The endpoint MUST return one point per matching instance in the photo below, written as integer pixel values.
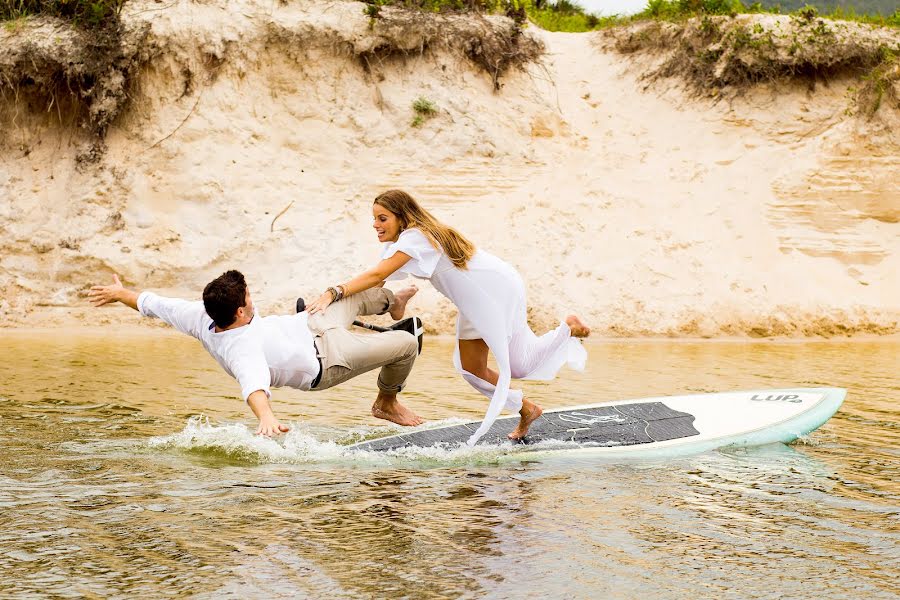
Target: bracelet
(337, 292)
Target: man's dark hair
(223, 296)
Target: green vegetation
(568, 15)
(450, 5)
(880, 85)
(83, 77)
(703, 43)
(424, 109)
(675, 10)
(565, 15)
(720, 56)
(562, 15)
(511, 8)
(495, 46)
(87, 13)
(884, 8)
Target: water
(127, 467)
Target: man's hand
(270, 427)
(107, 294)
(268, 424)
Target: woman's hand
(320, 303)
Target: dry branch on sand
(721, 55)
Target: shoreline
(151, 330)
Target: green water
(106, 489)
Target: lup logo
(777, 398)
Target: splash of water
(237, 442)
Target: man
(300, 351)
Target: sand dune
(648, 211)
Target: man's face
(245, 313)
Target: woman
(490, 296)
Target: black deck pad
(623, 425)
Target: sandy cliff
(646, 209)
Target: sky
(613, 7)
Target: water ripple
(107, 491)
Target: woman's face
(386, 224)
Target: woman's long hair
(411, 214)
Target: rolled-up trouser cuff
(396, 389)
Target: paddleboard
(668, 425)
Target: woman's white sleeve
(414, 244)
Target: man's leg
(374, 301)
(346, 355)
(341, 314)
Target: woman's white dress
(490, 296)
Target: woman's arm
(368, 279)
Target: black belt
(318, 378)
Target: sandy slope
(648, 213)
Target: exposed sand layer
(646, 210)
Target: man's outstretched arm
(107, 294)
(180, 314)
(184, 315)
(268, 424)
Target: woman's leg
(540, 357)
(473, 364)
(473, 356)
(401, 297)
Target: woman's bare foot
(401, 297)
(387, 407)
(577, 326)
(528, 415)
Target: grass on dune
(87, 13)
(569, 16)
(562, 15)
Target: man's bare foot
(577, 326)
(528, 415)
(401, 297)
(387, 407)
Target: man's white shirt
(268, 352)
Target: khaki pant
(345, 354)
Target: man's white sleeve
(184, 315)
(251, 371)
